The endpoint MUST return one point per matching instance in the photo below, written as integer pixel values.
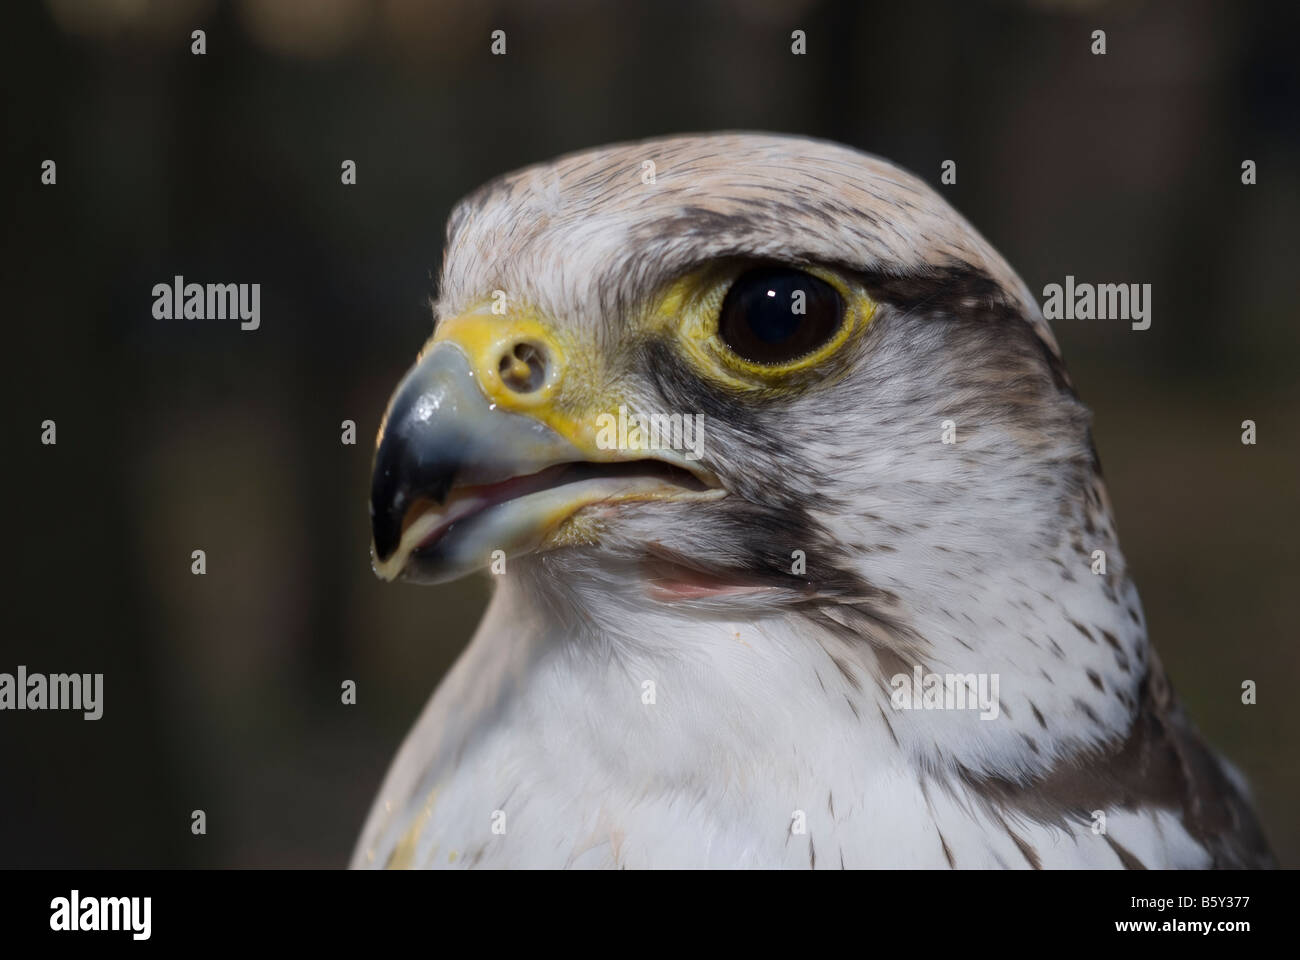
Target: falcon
(701, 660)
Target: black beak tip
(419, 457)
(402, 477)
(387, 509)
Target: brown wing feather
(1164, 764)
(1215, 809)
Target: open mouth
(517, 514)
(466, 472)
(467, 502)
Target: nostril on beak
(523, 367)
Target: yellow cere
(487, 338)
(693, 303)
(575, 391)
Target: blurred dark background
(222, 692)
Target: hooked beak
(477, 454)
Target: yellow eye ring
(694, 304)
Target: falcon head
(819, 315)
(891, 452)
(765, 418)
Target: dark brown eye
(774, 315)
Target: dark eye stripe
(774, 315)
